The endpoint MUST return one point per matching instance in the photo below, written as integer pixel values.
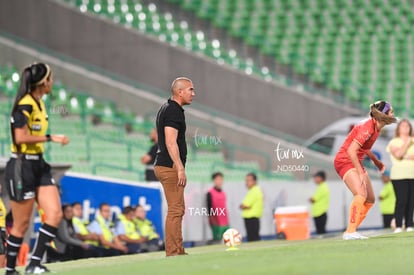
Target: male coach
(169, 166)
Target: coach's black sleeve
(174, 118)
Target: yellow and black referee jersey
(32, 113)
(3, 213)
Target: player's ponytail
(380, 110)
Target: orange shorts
(343, 167)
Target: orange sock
(355, 211)
(364, 212)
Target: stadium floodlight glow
(175, 36)
(9, 84)
(187, 36)
(184, 25)
(111, 8)
(156, 26)
(74, 102)
(62, 94)
(168, 16)
(142, 16)
(216, 53)
(116, 19)
(107, 111)
(15, 77)
(188, 46)
(83, 8)
(232, 53)
(215, 43)
(202, 45)
(142, 26)
(200, 35)
(138, 7)
(139, 119)
(152, 7)
(97, 7)
(265, 70)
(170, 26)
(129, 17)
(162, 37)
(90, 102)
(124, 8)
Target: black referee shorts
(3, 238)
(23, 175)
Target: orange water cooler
(292, 223)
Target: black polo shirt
(171, 114)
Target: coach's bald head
(182, 90)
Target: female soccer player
(348, 164)
(28, 176)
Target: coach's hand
(182, 178)
(62, 139)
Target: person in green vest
(126, 231)
(387, 200)
(320, 202)
(103, 227)
(145, 227)
(81, 230)
(252, 208)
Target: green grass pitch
(386, 254)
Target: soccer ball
(232, 237)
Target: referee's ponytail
(32, 76)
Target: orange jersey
(365, 134)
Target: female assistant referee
(348, 164)
(28, 176)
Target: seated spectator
(127, 232)
(67, 245)
(83, 233)
(146, 229)
(102, 226)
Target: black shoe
(36, 269)
(12, 272)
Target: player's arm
(145, 159)
(88, 237)
(243, 206)
(22, 135)
(21, 130)
(171, 135)
(104, 242)
(65, 236)
(247, 203)
(124, 238)
(119, 246)
(376, 161)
